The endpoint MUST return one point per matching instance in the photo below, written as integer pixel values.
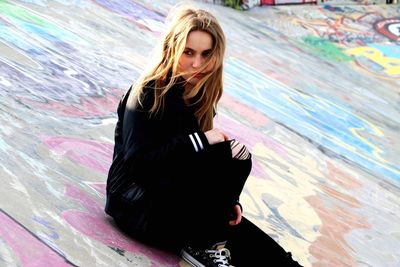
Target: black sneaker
(213, 257)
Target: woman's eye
(188, 52)
(206, 54)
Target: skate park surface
(312, 90)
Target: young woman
(175, 180)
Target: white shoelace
(221, 256)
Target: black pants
(250, 246)
(196, 211)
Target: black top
(152, 151)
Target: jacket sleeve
(148, 155)
(118, 141)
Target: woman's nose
(197, 61)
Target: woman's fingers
(238, 215)
(215, 136)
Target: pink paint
(258, 170)
(87, 107)
(255, 117)
(95, 224)
(98, 187)
(92, 154)
(98, 228)
(88, 203)
(30, 251)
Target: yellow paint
(376, 75)
(290, 192)
(391, 65)
(375, 150)
(295, 103)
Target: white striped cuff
(196, 142)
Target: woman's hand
(215, 136)
(238, 215)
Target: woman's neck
(188, 87)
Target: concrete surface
(312, 90)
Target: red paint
(267, 2)
(383, 27)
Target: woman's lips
(200, 75)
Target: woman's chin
(193, 81)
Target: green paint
(20, 13)
(325, 49)
(233, 3)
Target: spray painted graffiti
(343, 28)
(337, 129)
(332, 31)
(92, 154)
(311, 91)
(382, 58)
(389, 28)
(38, 252)
(325, 49)
(93, 223)
(327, 218)
(143, 17)
(56, 76)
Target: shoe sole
(189, 259)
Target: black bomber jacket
(149, 149)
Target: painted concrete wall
(312, 91)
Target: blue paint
(50, 32)
(13, 39)
(131, 10)
(326, 123)
(333, 8)
(392, 51)
(44, 3)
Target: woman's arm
(150, 152)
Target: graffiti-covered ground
(313, 91)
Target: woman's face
(197, 49)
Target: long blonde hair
(207, 92)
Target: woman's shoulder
(140, 97)
(150, 85)
(147, 92)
